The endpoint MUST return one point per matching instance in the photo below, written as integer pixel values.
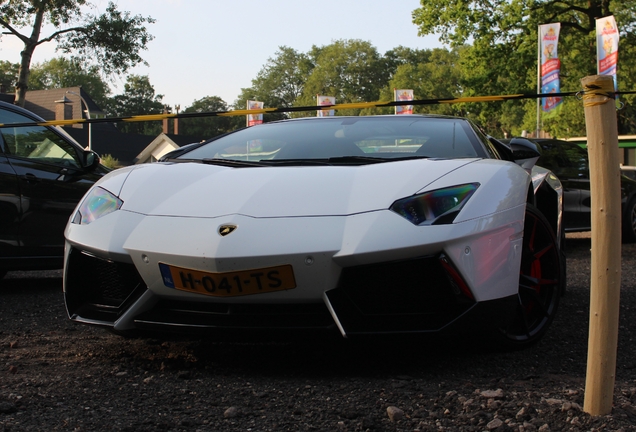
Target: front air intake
(100, 289)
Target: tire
(541, 283)
(629, 221)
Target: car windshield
(361, 139)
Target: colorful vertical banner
(550, 68)
(325, 100)
(403, 95)
(254, 119)
(607, 47)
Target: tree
(61, 72)
(431, 74)
(138, 99)
(8, 74)
(279, 83)
(503, 57)
(283, 77)
(404, 55)
(206, 127)
(111, 40)
(351, 70)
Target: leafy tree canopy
(279, 83)
(435, 75)
(206, 127)
(138, 98)
(8, 74)
(112, 40)
(351, 70)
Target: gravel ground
(57, 375)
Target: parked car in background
(357, 226)
(43, 175)
(569, 161)
(629, 171)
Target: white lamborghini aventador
(358, 225)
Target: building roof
(43, 102)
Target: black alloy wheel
(541, 283)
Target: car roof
(20, 110)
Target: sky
(216, 47)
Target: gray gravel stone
(187, 384)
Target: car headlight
(434, 207)
(97, 203)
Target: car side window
(577, 157)
(36, 143)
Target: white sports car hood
(199, 190)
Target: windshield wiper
(296, 162)
(233, 163)
(362, 160)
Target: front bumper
(352, 274)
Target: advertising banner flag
(550, 67)
(254, 119)
(403, 95)
(607, 47)
(325, 100)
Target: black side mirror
(502, 147)
(525, 153)
(90, 160)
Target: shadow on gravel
(563, 351)
(27, 283)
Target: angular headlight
(435, 207)
(99, 202)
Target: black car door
(51, 182)
(575, 176)
(9, 208)
(570, 164)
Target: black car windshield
(345, 139)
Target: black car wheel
(541, 283)
(629, 222)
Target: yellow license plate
(229, 284)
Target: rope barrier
(343, 106)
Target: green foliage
(282, 79)
(113, 40)
(138, 99)
(278, 84)
(110, 162)
(434, 74)
(8, 74)
(206, 127)
(20, 13)
(350, 70)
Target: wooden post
(605, 283)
